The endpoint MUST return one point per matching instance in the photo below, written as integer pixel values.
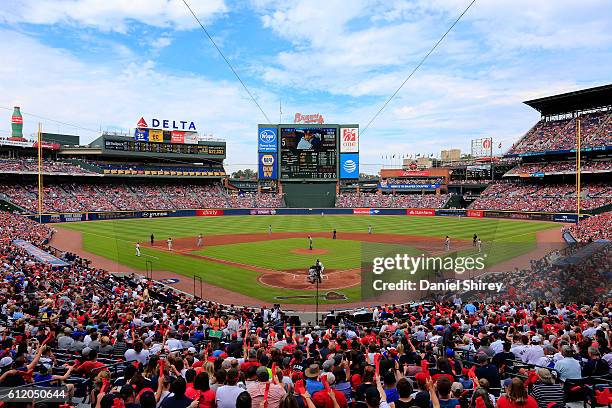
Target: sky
(102, 64)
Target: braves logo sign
(315, 118)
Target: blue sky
(103, 64)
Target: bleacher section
(347, 199)
(561, 167)
(551, 197)
(545, 340)
(89, 196)
(555, 135)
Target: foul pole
(578, 168)
(40, 175)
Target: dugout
(309, 194)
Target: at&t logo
(350, 166)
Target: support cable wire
(72, 125)
(417, 67)
(227, 62)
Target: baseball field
(264, 259)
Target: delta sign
(167, 124)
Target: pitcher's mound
(306, 251)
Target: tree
(245, 174)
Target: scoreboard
(135, 146)
(308, 152)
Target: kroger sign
(267, 140)
(167, 124)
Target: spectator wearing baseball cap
(545, 391)
(421, 394)
(535, 351)
(488, 371)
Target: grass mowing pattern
(115, 240)
(342, 254)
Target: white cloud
(357, 50)
(55, 84)
(161, 42)
(343, 60)
(110, 15)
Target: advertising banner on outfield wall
(113, 215)
(423, 212)
(475, 213)
(361, 211)
(267, 140)
(565, 218)
(516, 215)
(156, 214)
(408, 186)
(263, 211)
(268, 166)
(349, 140)
(209, 213)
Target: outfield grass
(115, 240)
(342, 254)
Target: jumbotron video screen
(309, 153)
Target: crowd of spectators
(550, 278)
(55, 167)
(132, 342)
(151, 169)
(469, 181)
(553, 197)
(255, 200)
(546, 135)
(30, 165)
(387, 181)
(354, 199)
(67, 197)
(562, 167)
(593, 228)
